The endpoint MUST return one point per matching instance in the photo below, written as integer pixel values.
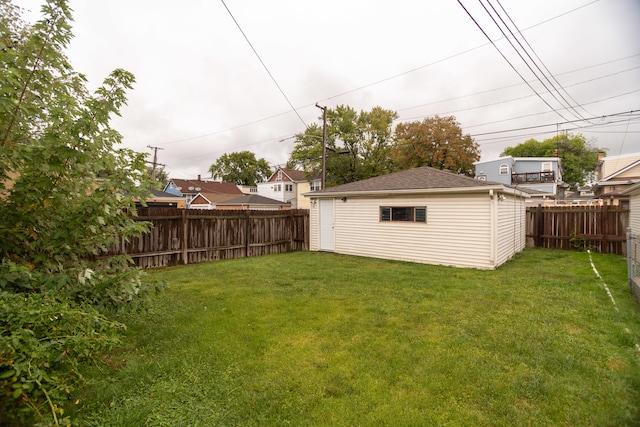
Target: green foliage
(358, 145)
(67, 192)
(44, 337)
(241, 168)
(579, 158)
(437, 142)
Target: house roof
(423, 178)
(194, 186)
(253, 199)
(158, 194)
(294, 175)
(621, 171)
(209, 198)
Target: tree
(579, 158)
(161, 175)
(241, 168)
(66, 191)
(437, 142)
(358, 145)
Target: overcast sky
(202, 91)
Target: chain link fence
(633, 262)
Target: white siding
(457, 232)
(511, 227)
(314, 226)
(634, 214)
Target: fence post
(247, 232)
(185, 235)
(604, 226)
(630, 257)
(292, 230)
(539, 226)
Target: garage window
(403, 214)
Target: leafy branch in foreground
(67, 192)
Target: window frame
(418, 214)
(506, 169)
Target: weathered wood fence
(598, 228)
(182, 236)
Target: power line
(507, 100)
(540, 60)
(263, 64)
(394, 77)
(632, 112)
(506, 59)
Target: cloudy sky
(214, 77)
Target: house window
(504, 169)
(277, 187)
(546, 167)
(403, 214)
(288, 187)
(279, 175)
(315, 186)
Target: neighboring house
(543, 174)
(253, 202)
(289, 185)
(248, 189)
(161, 199)
(190, 188)
(421, 215)
(210, 200)
(614, 175)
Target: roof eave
(454, 190)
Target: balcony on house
(533, 177)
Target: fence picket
(599, 228)
(180, 236)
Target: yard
(321, 339)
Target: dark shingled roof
(424, 178)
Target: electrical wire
(507, 60)
(530, 60)
(521, 34)
(394, 77)
(263, 64)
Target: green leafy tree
(241, 168)
(579, 158)
(66, 192)
(358, 145)
(161, 176)
(437, 142)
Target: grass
(310, 339)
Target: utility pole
(324, 145)
(155, 161)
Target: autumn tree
(241, 168)
(579, 158)
(437, 142)
(358, 145)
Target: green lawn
(322, 339)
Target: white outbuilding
(421, 215)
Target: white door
(327, 236)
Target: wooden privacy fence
(182, 236)
(598, 228)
